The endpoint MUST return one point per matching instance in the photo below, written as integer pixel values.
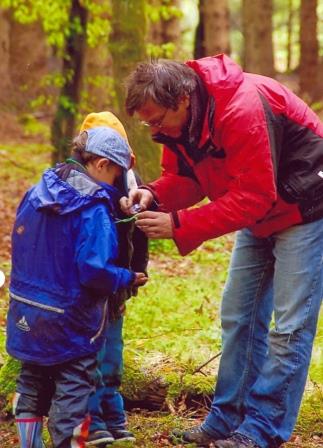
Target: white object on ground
(2, 279)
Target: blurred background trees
(63, 59)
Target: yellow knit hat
(108, 119)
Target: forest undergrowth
(172, 328)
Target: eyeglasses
(156, 124)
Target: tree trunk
(257, 31)
(29, 55)
(166, 29)
(97, 91)
(63, 127)
(212, 33)
(289, 35)
(309, 49)
(127, 46)
(97, 81)
(5, 81)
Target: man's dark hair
(164, 82)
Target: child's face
(103, 170)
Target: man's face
(164, 120)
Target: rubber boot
(30, 431)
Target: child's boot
(30, 431)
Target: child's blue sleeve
(96, 253)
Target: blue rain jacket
(64, 245)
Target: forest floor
(151, 428)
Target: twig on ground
(206, 363)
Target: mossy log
(156, 383)
(153, 383)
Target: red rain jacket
(259, 160)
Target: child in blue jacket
(106, 407)
(64, 248)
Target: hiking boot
(122, 435)
(237, 440)
(100, 439)
(193, 435)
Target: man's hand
(140, 279)
(155, 224)
(136, 196)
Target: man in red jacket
(256, 151)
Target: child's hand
(139, 196)
(140, 279)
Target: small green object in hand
(131, 218)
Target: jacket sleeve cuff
(182, 236)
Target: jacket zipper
(102, 326)
(37, 304)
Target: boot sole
(124, 439)
(107, 440)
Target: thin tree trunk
(5, 81)
(166, 29)
(309, 49)
(212, 33)
(127, 46)
(289, 34)
(63, 127)
(97, 79)
(28, 62)
(257, 31)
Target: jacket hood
(219, 73)
(77, 192)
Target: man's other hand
(155, 224)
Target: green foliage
(54, 16)
(89, 97)
(164, 11)
(177, 311)
(22, 164)
(189, 384)
(162, 246)
(316, 366)
(144, 375)
(317, 106)
(41, 101)
(49, 83)
(166, 50)
(99, 26)
(280, 35)
(34, 127)
(311, 414)
(67, 104)
(98, 31)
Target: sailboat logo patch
(22, 324)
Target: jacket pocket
(103, 323)
(304, 186)
(37, 304)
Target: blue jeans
(264, 366)
(106, 404)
